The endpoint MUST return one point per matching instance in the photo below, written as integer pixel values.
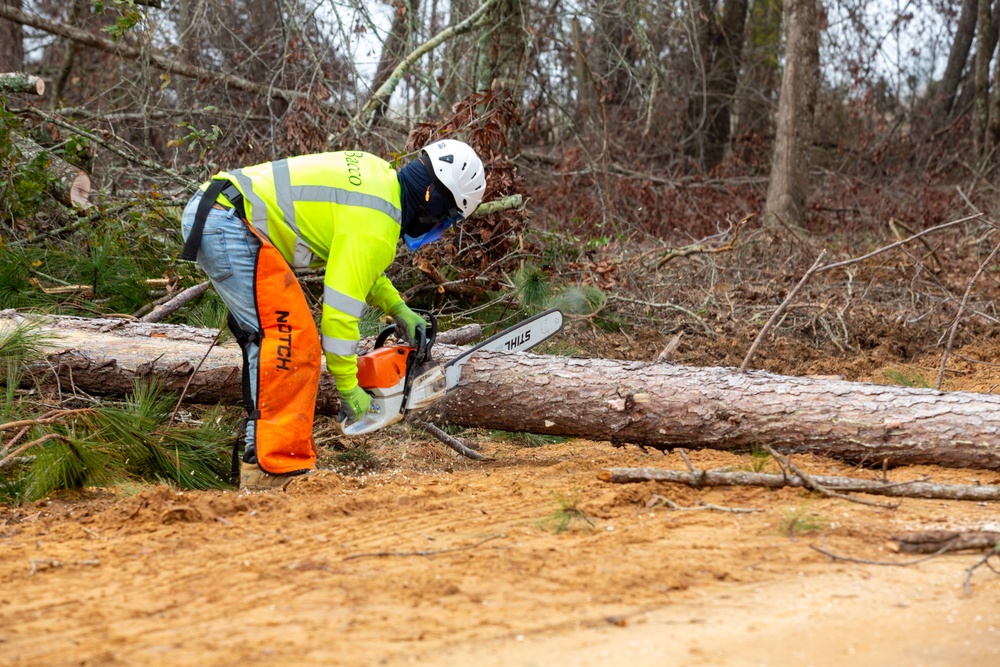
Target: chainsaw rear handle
(423, 346)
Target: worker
(250, 228)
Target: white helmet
(457, 167)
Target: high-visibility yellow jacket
(339, 210)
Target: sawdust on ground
(526, 559)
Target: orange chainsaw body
(383, 368)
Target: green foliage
(579, 300)
(22, 186)
(800, 521)
(906, 379)
(119, 443)
(527, 439)
(568, 516)
(21, 343)
(210, 312)
(534, 287)
(204, 140)
(759, 459)
(128, 17)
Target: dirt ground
(419, 557)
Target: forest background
(680, 166)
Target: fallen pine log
(702, 478)
(656, 405)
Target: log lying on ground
(657, 405)
(941, 541)
(19, 82)
(702, 478)
(69, 184)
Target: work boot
(252, 478)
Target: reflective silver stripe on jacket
(343, 302)
(326, 193)
(339, 346)
(287, 194)
(303, 255)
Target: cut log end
(79, 191)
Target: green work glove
(407, 323)
(354, 403)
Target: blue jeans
(228, 254)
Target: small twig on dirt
(670, 306)
(879, 251)
(780, 311)
(187, 384)
(865, 561)
(816, 486)
(163, 310)
(456, 444)
(698, 248)
(687, 461)
(958, 316)
(660, 501)
(931, 252)
(431, 552)
(967, 586)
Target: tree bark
(69, 184)
(19, 82)
(789, 185)
(656, 405)
(958, 55)
(984, 53)
(11, 41)
(397, 44)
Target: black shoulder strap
(190, 252)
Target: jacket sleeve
(355, 265)
(383, 294)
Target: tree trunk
(957, 57)
(656, 405)
(984, 53)
(789, 185)
(397, 44)
(69, 184)
(11, 41)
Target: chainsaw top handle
(424, 340)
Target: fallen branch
(19, 82)
(985, 560)
(780, 311)
(430, 552)
(816, 486)
(122, 49)
(704, 478)
(699, 248)
(452, 442)
(164, 310)
(932, 541)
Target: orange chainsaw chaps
(289, 369)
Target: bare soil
(412, 555)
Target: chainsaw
(403, 379)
